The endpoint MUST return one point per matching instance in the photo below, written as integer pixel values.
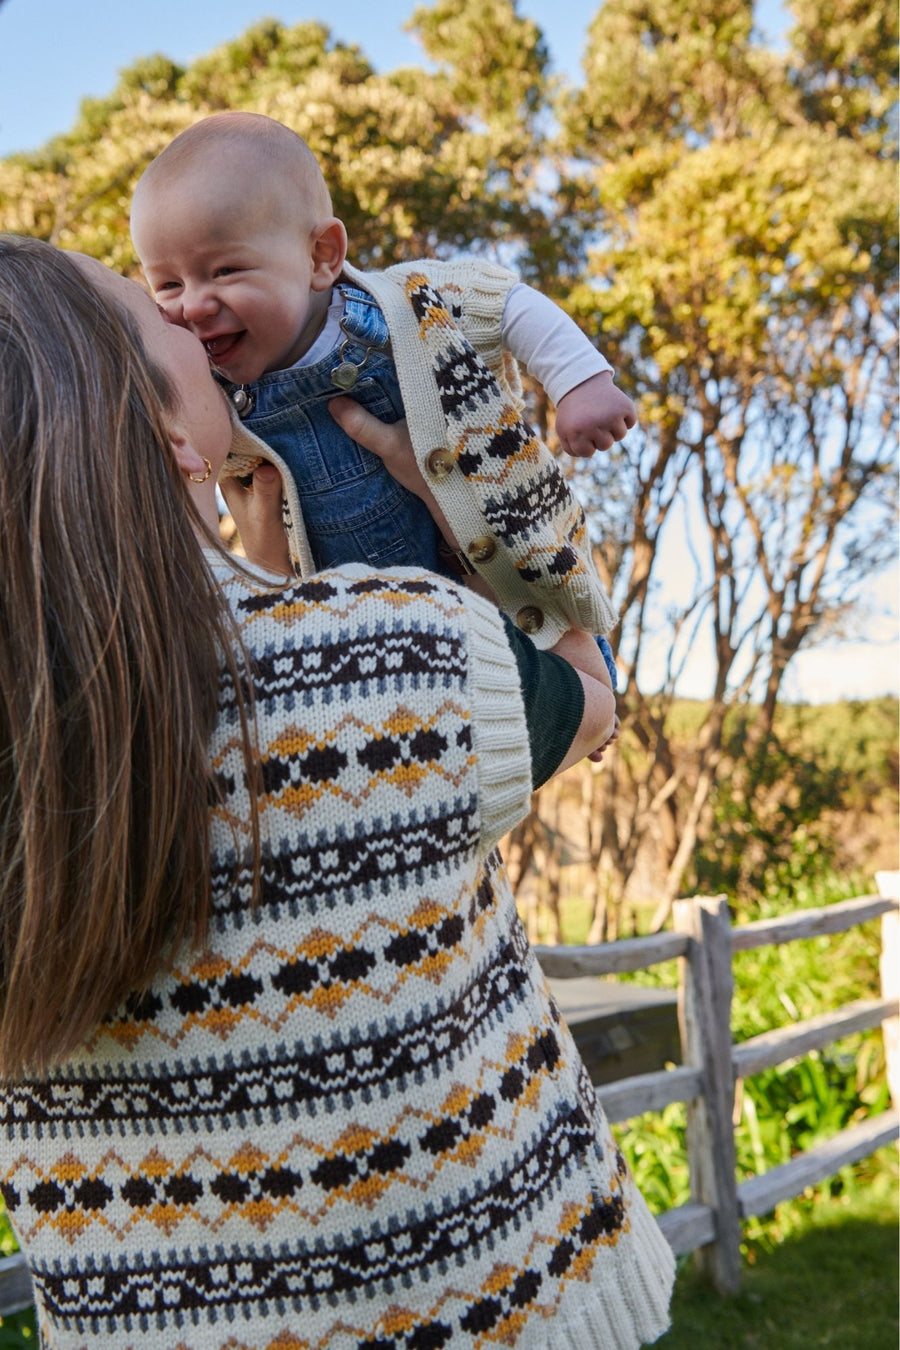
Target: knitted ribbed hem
(626, 1304)
(486, 288)
(499, 730)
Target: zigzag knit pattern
(462, 391)
(495, 448)
(353, 1120)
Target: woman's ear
(328, 249)
(187, 458)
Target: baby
(235, 230)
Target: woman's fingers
(255, 504)
(381, 438)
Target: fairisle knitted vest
(353, 1120)
(497, 483)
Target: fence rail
(705, 942)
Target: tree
(417, 162)
(720, 217)
(744, 264)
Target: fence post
(889, 886)
(704, 1012)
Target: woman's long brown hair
(111, 648)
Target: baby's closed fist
(593, 416)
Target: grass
(831, 1282)
(18, 1332)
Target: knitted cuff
(499, 730)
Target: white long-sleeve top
(540, 335)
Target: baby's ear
(329, 249)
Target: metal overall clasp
(346, 372)
(243, 400)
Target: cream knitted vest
(353, 1120)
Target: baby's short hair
(270, 144)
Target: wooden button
(481, 550)
(530, 619)
(439, 463)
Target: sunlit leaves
(418, 161)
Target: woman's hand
(255, 505)
(599, 723)
(596, 756)
(390, 441)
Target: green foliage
(18, 1331)
(846, 64)
(743, 258)
(660, 69)
(793, 1106)
(774, 828)
(8, 1243)
(496, 60)
(796, 1105)
(417, 162)
(724, 214)
(654, 1144)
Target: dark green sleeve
(554, 703)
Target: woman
(279, 1068)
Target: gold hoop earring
(202, 479)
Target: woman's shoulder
(424, 660)
(352, 593)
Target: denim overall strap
(363, 330)
(353, 511)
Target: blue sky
(53, 53)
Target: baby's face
(235, 272)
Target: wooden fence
(705, 942)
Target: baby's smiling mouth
(217, 347)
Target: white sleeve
(549, 344)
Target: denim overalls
(353, 509)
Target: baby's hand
(597, 755)
(593, 415)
